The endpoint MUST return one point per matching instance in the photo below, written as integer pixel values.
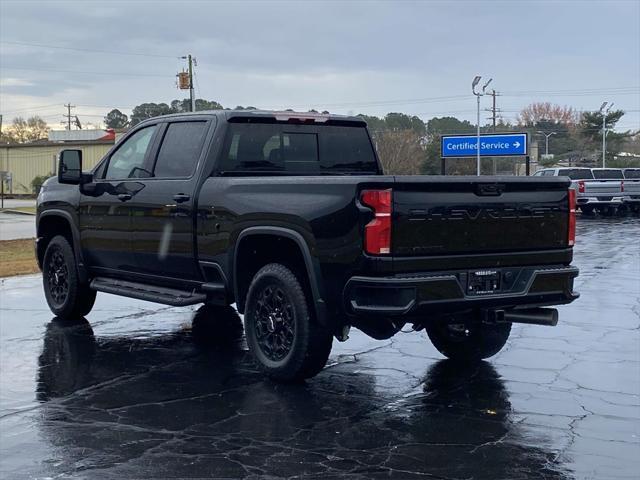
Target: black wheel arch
(313, 274)
(54, 222)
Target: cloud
(14, 82)
(319, 53)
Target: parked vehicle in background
(290, 217)
(609, 187)
(631, 198)
(597, 189)
(594, 190)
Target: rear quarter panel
(323, 210)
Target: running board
(151, 293)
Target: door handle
(181, 197)
(123, 197)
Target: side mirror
(70, 167)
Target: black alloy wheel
(67, 296)
(275, 323)
(58, 276)
(282, 332)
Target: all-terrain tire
(468, 342)
(66, 295)
(283, 335)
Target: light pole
(604, 131)
(546, 140)
(475, 82)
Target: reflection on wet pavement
(140, 390)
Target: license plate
(483, 282)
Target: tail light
(622, 186)
(572, 218)
(377, 233)
(581, 186)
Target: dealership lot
(149, 391)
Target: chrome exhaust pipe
(531, 316)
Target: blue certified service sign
(493, 145)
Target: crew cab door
(105, 204)
(162, 213)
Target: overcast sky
(346, 57)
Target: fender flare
(312, 265)
(75, 236)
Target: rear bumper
(631, 199)
(448, 292)
(599, 200)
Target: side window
(538, 173)
(128, 160)
(180, 149)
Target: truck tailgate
(631, 187)
(602, 187)
(458, 215)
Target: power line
(118, 74)
(587, 90)
(106, 106)
(110, 52)
(33, 109)
(576, 93)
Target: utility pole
(494, 111)
(604, 132)
(185, 81)
(68, 116)
(191, 96)
(494, 115)
(475, 82)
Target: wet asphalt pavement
(145, 391)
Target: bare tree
(18, 131)
(541, 111)
(22, 131)
(401, 152)
(38, 128)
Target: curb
(17, 212)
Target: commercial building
(26, 161)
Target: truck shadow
(191, 403)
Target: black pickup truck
(290, 217)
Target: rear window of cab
(575, 173)
(608, 173)
(288, 149)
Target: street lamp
(546, 139)
(604, 131)
(475, 82)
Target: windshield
(609, 173)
